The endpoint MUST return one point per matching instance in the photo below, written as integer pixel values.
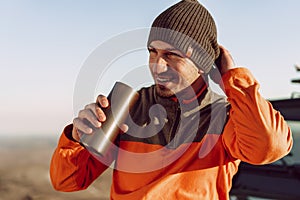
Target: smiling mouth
(165, 80)
(165, 77)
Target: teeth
(163, 79)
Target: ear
(189, 52)
(200, 71)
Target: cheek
(151, 69)
(151, 63)
(151, 59)
(189, 74)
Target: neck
(191, 93)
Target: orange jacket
(197, 168)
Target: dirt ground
(24, 172)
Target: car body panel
(278, 180)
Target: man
(190, 146)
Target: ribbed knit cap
(185, 25)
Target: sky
(46, 45)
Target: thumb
(215, 75)
(124, 128)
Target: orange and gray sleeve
(255, 132)
(72, 167)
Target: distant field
(24, 172)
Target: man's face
(171, 70)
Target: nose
(160, 65)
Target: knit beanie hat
(185, 25)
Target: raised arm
(255, 132)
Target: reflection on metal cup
(121, 99)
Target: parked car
(278, 180)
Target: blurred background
(44, 44)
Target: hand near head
(224, 63)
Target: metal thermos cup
(121, 99)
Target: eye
(151, 50)
(171, 54)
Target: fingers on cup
(89, 116)
(102, 101)
(81, 126)
(98, 113)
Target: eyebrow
(172, 49)
(167, 49)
